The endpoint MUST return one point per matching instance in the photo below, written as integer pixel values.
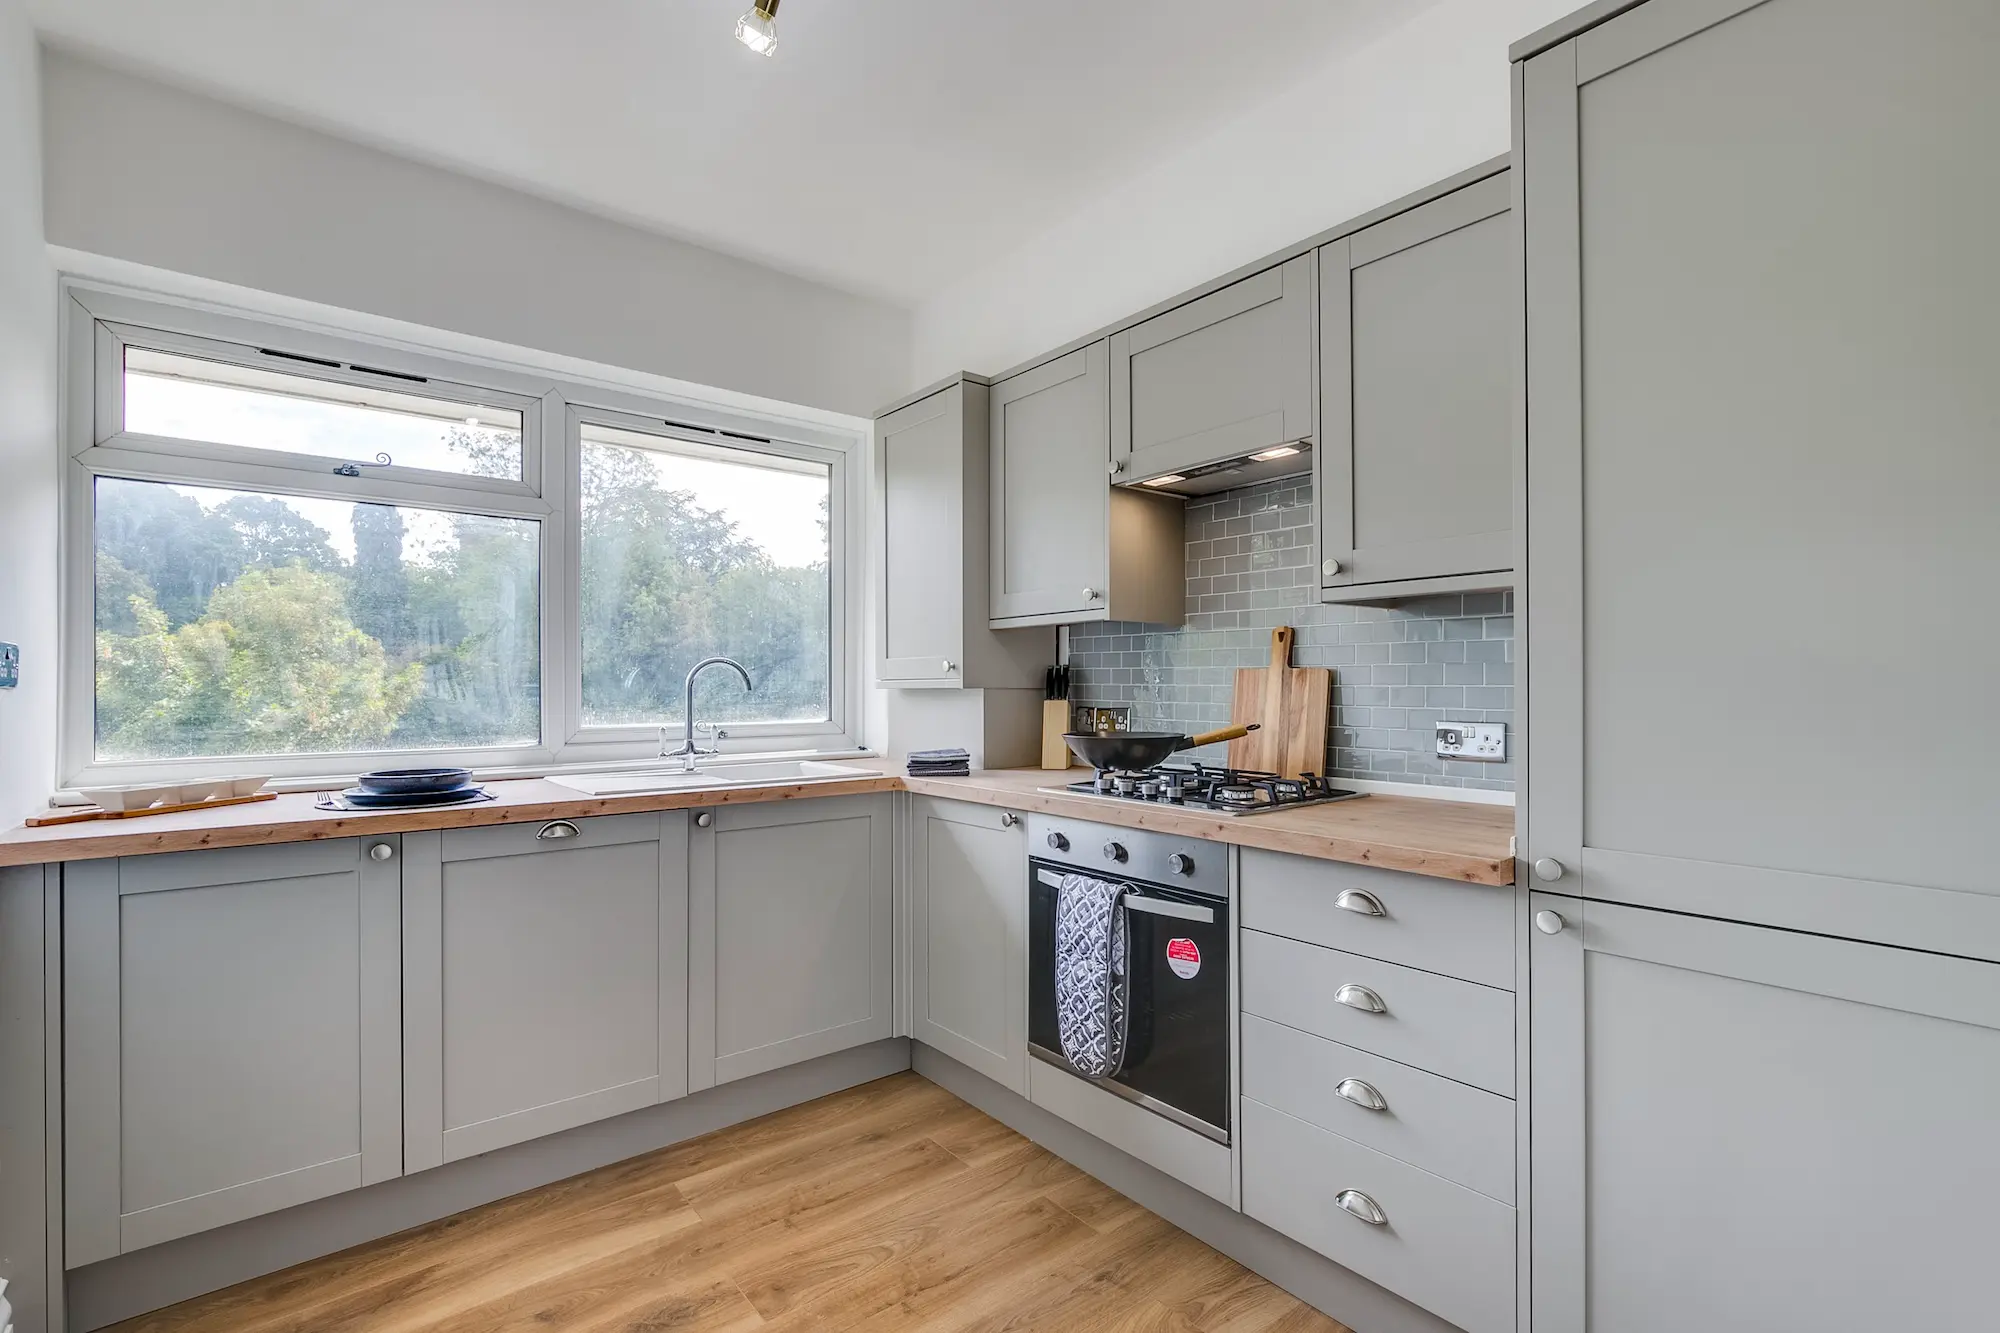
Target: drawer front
(1446, 1128)
(1440, 1246)
(553, 835)
(1439, 925)
(1435, 1023)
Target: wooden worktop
(1449, 839)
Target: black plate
(398, 781)
(394, 800)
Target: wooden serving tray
(85, 814)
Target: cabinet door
(1051, 442)
(1219, 377)
(1741, 1129)
(1761, 402)
(1419, 321)
(790, 950)
(969, 909)
(545, 979)
(230, 1037)
(921, 460)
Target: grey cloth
(1093, 992)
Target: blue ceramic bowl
(414, 781)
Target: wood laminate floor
(890, 1207)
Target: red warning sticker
(1184, 958)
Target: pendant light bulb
(758, 29)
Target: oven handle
(1156, 906)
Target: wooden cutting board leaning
(1292, 703)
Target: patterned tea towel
(1092, 990)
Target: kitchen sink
(635, 782)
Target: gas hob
(1215, 791)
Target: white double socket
(1485, 742)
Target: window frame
(101, 323)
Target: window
(693, 550)
(309, 556)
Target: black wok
(1136, 751)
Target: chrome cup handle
(1357, 1204)
(1360, 997)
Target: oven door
(1177, 1049)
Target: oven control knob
(1181, 863)
(1115, 851)
(1058, 843)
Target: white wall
(145, 173)
(27, 434)
(1422, 102)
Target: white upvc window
(293, 553)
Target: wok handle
(1214, 737)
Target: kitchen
(1559, 963)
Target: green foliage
(237, 627)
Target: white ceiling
(887, 147)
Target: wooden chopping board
(1292, 704)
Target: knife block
(1055, 721)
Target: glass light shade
(758, 31)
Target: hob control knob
(1058, 843)
(1181, 863)
(1115, 851)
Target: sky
(778, 510)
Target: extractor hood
(1226, 474)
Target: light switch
(1485, 742)
(10, 665)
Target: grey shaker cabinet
(1419, 330)
(545, 978)
(1226, 374)
(231, 1037)
(1067, 546)
(789, 936)
(932, 552)
(1760, 290)
(1742, 1129)
(969, 936)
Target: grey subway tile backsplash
(1398, 670)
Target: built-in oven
(1175, 905)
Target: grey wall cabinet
(790, 945)
(231, 1037)
(545, 978)
(1226, 374)
(1743, 1129)
(1067, 547)
(969, 936)
(1419, 334)
(933, 468)
(1761, 348)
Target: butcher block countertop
(1448, 839)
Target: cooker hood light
(1282, 451)
(758, 29)
(1166, 479)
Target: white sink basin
(641, 781)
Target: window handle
(353, 469)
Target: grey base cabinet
(545, 979)
(1740, 1129)
(969, 936)
(231, 1037)
(790, 944)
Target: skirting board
(162, 1275)
(1321, 1283)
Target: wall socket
(1484, 742)
(10, 665)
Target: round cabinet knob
(948, 665)
(1091, 594)
(1549, 869)
(1116, 851)
(704, 819)
(1181, 863)
(1058, 843)
(381, 851)
(1117, 468)
(1008, 819)
(1329, 567)
(1549, 923)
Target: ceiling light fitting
(758, 28)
